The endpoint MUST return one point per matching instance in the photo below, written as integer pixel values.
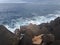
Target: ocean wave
(16, 23)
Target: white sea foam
(34, 20)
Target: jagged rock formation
(25, 34)
(52, 27)
(45, 28)
(31, 29)
(7, 37)
(56, 27)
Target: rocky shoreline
(25, 34)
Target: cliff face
(7, 37)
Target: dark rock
(32, 30)
(56, 27)
(7, 37)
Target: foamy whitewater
(14, 15)
(16, 23)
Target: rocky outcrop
(32, 30)
(52, 27)
(7, 37)
(56, 27)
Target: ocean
(14, 15)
